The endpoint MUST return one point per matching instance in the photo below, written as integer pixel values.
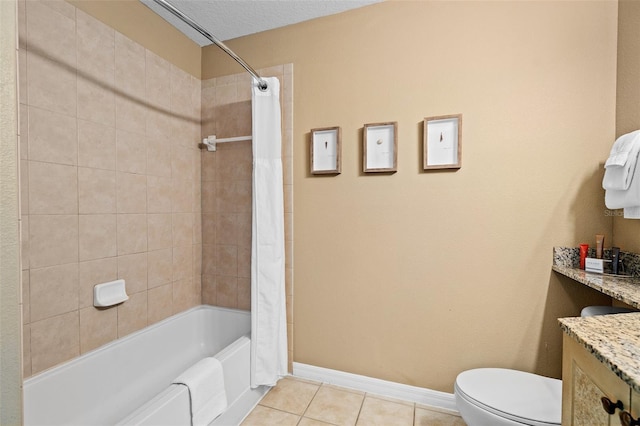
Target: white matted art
(325, 151)
(380, 147)
(442, 145)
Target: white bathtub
(128, 381)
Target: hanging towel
(621, 164)
(268, 299)
(619, 199)
(632, 212)
(205, 381)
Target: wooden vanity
(601, 370)
(601, 356)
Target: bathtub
(128, 381)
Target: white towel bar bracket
(210, 142)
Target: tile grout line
(277, 409)
(300, 416)
(365, 395)
(360, 410)
(309, 403)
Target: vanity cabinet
(635, 408)
(594, 347)
(585, 382)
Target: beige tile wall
(226, 191)
(110, 182)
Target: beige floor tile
(396, 400)
(376, 411)
(329, 386)
(265, 416)
(434, 418)
(290, 395)
(335, 405)
(305, 421)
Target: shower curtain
(268, 300)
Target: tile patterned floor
(301, 402)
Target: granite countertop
(623, 288)
(613, 339)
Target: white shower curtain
(268, 301)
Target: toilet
(503, 397)
(592, 311)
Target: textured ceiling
(227, 19)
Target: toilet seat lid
(517, 395)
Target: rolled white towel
(621, 164)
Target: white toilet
(502, 397)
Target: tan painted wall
(626, 231)
(136, 21)
(414, 277)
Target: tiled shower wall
(226, 191)
(110, 182)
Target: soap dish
(109, 294)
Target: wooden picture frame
(325, 150)
(442, 145)
(380, 147)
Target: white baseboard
(440, 400)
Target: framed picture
(442, 145)
(325, 151)
(380, 147)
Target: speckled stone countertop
(613, 339)
(625, 289)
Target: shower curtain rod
(262, 84)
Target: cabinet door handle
(627, 420)
(609, 406)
